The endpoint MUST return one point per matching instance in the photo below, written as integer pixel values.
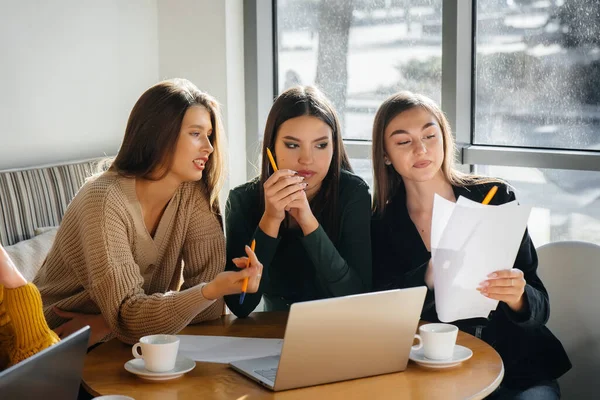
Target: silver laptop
(53, 373)
(341, 338)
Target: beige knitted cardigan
(105, 261)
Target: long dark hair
(153, 130)
(296, 102)
(386, 180)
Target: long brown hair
(386, 180)
(153, 130)
(296, 102)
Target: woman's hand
(230, 282)
(99, 327)
(300, 210)
(507, 286)
(10, 277)
(280, 189)
(283, 187)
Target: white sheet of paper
(468, 242)
(226, 349)
(442, 210)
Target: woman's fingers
(63, 313)
(254, 268)
(513, 273)
(499, 282)
(240, 262)
(64, 330)
(284, 182)
(298, 196)
(299, 200)
(276, 195)
(10, 276)
(501, 290)
(252, 255)
(248, 273)
(507, 286)
(59, 331)
(253, 272)
(510, 278)
(503, 283)
(277, 176)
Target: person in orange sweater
(23, 328)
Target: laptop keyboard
(270, 374)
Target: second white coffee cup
(159, 352)
(438, 340)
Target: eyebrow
(298, 140)
(399, 131)
(198, 127)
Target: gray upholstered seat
(38, 197)
(571, 273)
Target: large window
(360, 52)
(537, 81)
(538, 74)
(518, 79)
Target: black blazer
(529, 350)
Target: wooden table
(104, 373)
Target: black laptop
(53, 373)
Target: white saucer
(461, 354)
(182, 365)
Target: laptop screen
(53, 373)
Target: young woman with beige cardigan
(141, 248)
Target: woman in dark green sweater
(310, 218)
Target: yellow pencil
(490, 195)
(245, 284)
(271, 159)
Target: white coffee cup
(437, 340)
(159, 352)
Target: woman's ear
(386, 160)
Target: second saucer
(182, 365)
(459, 355)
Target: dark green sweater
(297, 267)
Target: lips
(422, 164)
(306, 173)
(200, 163)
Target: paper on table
(468, 242)
(225, 349)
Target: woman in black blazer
(413, 159)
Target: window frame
(458, 86)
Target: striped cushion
(36, 197)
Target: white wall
(235, 100)
(70, 72)
(203, 41)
